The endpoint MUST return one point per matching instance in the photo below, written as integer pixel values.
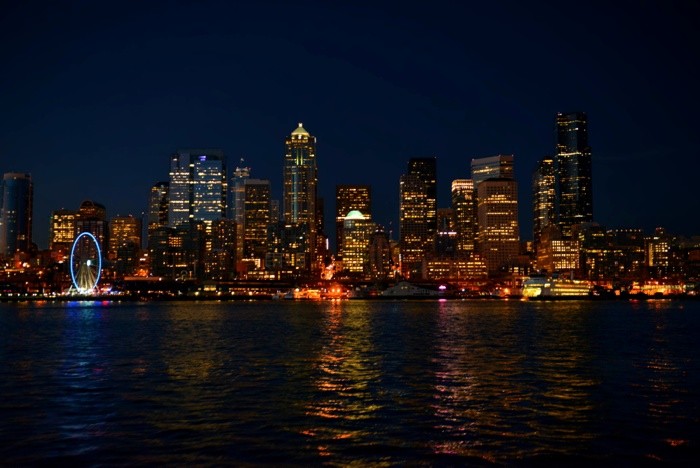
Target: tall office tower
(543, 197)
(464, 206)
(350, 198)
(357, 230)
(62, 228)
(125, 243)
(274, 211)
(426, 170)
(300, 178)
(379, 254)
(413, 224)
(16, 206)
(573, 171)
(92, 218)
(446, 236)
(198, 186)
(256, 219)
(220, 260)
(498, 238)
(124, 230)
(158, 206)
(237, 209)
(493, 167)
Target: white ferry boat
(555, 288)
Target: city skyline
(95, 104)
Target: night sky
(95, 96)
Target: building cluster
(204, 224)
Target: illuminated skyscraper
(357, 230)
(464, 206)
(350, 198)
(237, 211)
(125, 243)
(198, 186)
(62, 231)
(256, 219)
(92, 218)
(413, 227)
(573, 171)
(498, 239)
(426, 170)
(543, 197)
(300, 178)
(16, 206)
(158, 206)
(493, 167)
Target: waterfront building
(658, 253)
(300, 179)
(350, 198)
(220, 259)
(198, 186)
(158, 206)
(556, 254)
(413, 228)
(464, 207)
(497, 215)
(543, 197)
(357, 230)
(124, 230)
(492, 167)
(62, 229)
(380, 261)
(16, 208)
(288, 250)
(573, 171)
(256, 218)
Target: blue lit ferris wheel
(85, 263)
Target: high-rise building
(62, 229)
(256, 219)
(350, 198)
(543, 197)
(198, 186)
(125, 243)
(413, 225)
(300, 178)
(573, 171)
(446, 236)
(464, 206)
(158, 206)
(220, 259)
(357, 230)
(426, 170)
(380, 262)
(16, 206)
(493, 167)
(92, 218)
(124, 230)
(237, 209)
(498, 239)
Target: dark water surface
(428, 383)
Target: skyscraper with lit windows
(16, 207)
(256, 219)
(464, 206)
(350, 198)
(497, 213)
(300, 179)
(543, 197)
(413, 224)
(158, 206)
(573, 171)
(492, 167)
(426, 170)
(198, 186)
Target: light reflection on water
(447, 382)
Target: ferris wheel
(85, 263)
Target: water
(388, 383)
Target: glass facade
(573, 171)
(16, 206)
(543, 197)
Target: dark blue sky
(95, 96)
